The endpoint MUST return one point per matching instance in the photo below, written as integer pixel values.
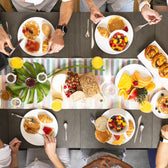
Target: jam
(30, 82)
(32, 46)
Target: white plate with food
(45, 123)
(123, 138)
(160, 104)
(153, 64)
(106, 27)
(36, 32)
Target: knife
(92, 36)
(15, 47)
(139, 122)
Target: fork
(87, 35)
(141, 26)
(26, 118)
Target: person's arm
(14, 145)
(148, 13)
(50, 147)
(162, 151)
(56, 42)
(95, 14)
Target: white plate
(103, 43)
(130, 69)
(154, 104)
(127, 115)
(40, 38)
(37, 139)
(160, 82)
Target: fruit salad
(118, 42)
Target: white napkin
(5, 156)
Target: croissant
(150, 52)
(103, 32)
(163, 70)
(158, 60)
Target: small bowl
(42, 77)
(16, 102)
(12, 77)
(113, 131)
(125, 34)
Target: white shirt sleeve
(35, 2)
(65, 0)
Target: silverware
(141, 130)
(136, 134)
(87, 35)
(92, 120)
(15, 47)
(26, 118)
(7, 27)
(92, 35)
(66, 127)
(141, 26)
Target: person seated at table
(98, 6)
(56, 42)
(162, 151)
(160, 5)
(108, 162)
(8, 153)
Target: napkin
(5, 156)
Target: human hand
(50, 146)
(95, 14)
(14, 145)
(150, 14)
(4, 41)
(56, 42)
(164, 131)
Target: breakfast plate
(148, 64)
(103, 43)
(37, 139)
(124, 113)
(154, 104)
(41, 31)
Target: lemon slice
(145, 106)
(56, 105)
(16, 62)
(97, 62)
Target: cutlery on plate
(35, 132)
(15, 47)
(141, 26)
(26, 118)
(92, 35)
(136, 134)
(92, 120)
(87, 35)
(66, 127)
(7, 29)
(141, 130)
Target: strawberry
(126, 28)
(135, 83)
(117, 137)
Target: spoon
(92, 120)
(87, 35)
(66, 127)
(26, 118)
(141, 130)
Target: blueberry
(159, 112)
(166, 101)
(155, 108)
(162, 94)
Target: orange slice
(150, 87)
(56, 105)
(16, 62)
(145, 107)
(97, 62)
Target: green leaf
(20, 83)
(21, 78)
(31, 96)
(22, 71)
(24, 94)
(15, 89)
(45, 87)
(40, 95)
(39, 68)
(29, 67)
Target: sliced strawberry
(117, 137)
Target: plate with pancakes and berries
(114, 34)
(36, 32)
(115, 127)
(156, 61)
(160, 104)
(44, 122)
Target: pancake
(31, 30)
(31, 128)
(101, 123)
(44, 118)
(130, 128)
(115, 23)
(162, 104)
(46, 28)
(103, 136)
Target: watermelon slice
(48, 130)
